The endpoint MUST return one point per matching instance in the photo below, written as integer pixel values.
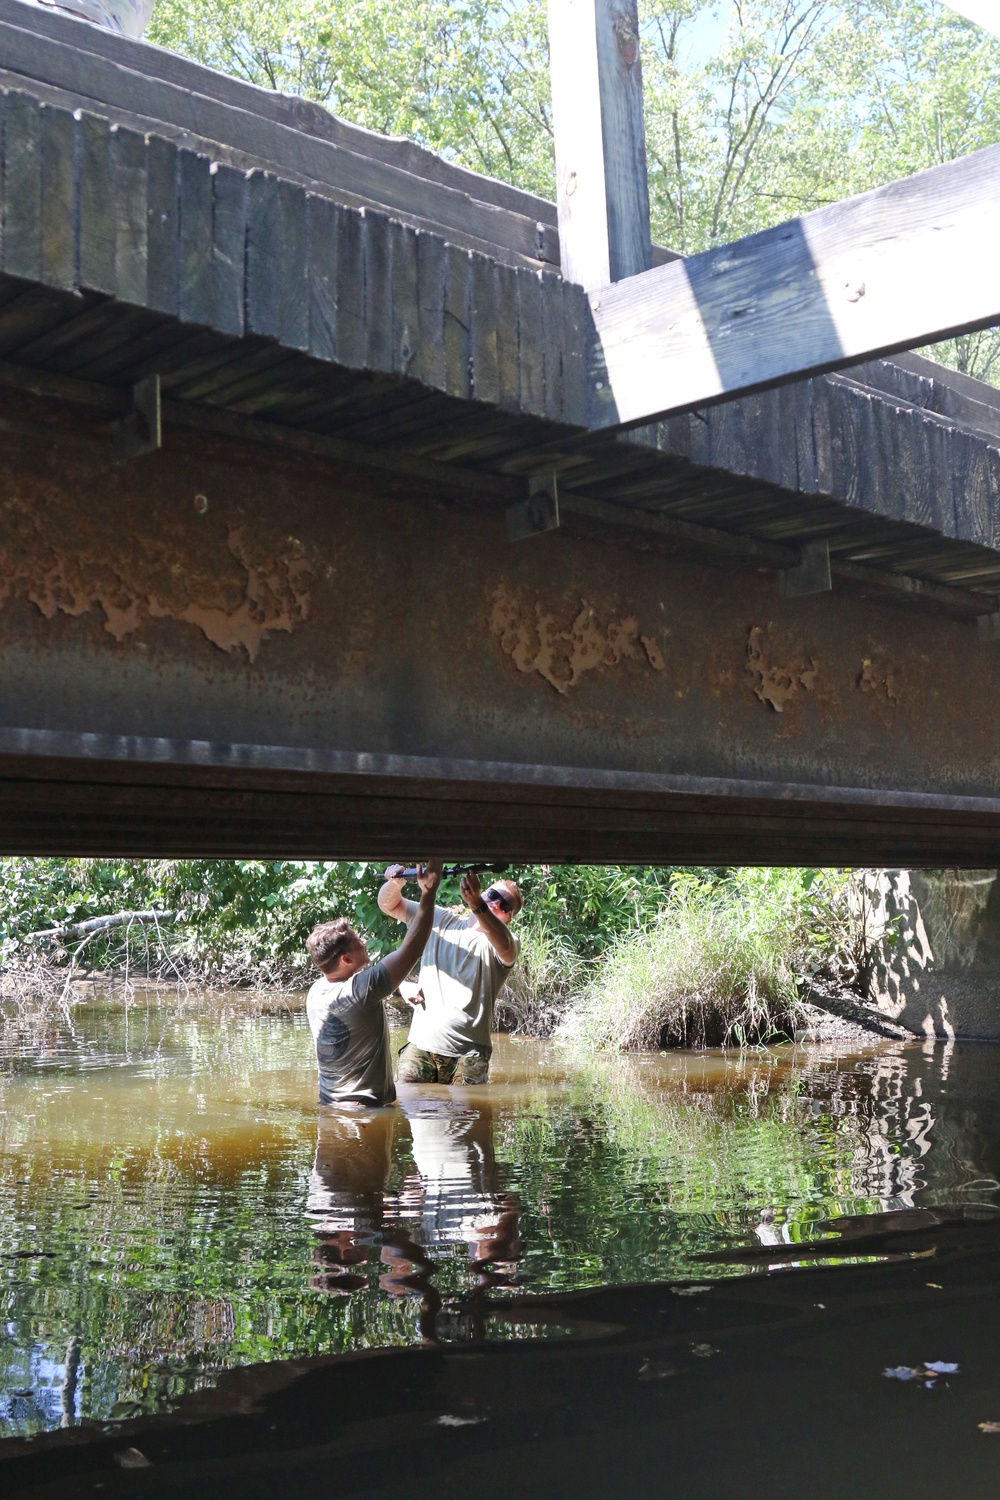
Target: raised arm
(399, 964)
(501, 940)
(391, 900)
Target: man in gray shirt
(466, 960)
(346, 1015)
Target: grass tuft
(718, 966)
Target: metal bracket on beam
(539, 513)
(812, 573)
(989, 629)
(141, 431)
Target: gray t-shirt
(351, 1032)
(461, 976)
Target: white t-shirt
(351, 1033)
(461, 976)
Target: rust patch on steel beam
(775, 684)
(236, 582)
(875, 678)
(562, 645)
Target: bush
(719, 965)
(546, 976)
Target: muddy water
(173, 1203)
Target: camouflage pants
(418, 1066)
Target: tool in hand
(487, 869)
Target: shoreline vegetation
(617, 958)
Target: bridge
(339, 521)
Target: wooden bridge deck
(273, 263)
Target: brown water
(173, 1203)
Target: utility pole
(603, 193)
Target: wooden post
(603, 195)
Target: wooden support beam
(897, 267)
(603, 196)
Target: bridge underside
(220, 648)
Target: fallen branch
(100, 924)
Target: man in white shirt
(346, 1015)
(467, 958)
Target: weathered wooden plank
(97, 225)
(322, 272)
(229, 233)
(378, 293)
(531, 355)
(129, 208)
(805, 444)
(197, 274)
(293, 326)
(429, 365)
(902, 265)
(55, 342)
(350, 288)
(508, 338)
(265, 267)
(602, 193)
(551, 339)
(576, 394)
(484, 312)
(58, 205)
(870, 479)
(22, 187)
(405, 287)
(979, 491)
(163, 234)
(786, 426)
(112, 344)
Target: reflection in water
(173, 1203)
(453, 1194)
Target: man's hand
(391, 900)
(411, 993)
(472, 891)
(419, 915)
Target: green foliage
(235, 920)
(631, 956)
(591, 905)
(240, 921)
(467, 78)
(719, 966)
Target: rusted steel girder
(218, 650)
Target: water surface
(173, 1202)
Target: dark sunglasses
(499, 899)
